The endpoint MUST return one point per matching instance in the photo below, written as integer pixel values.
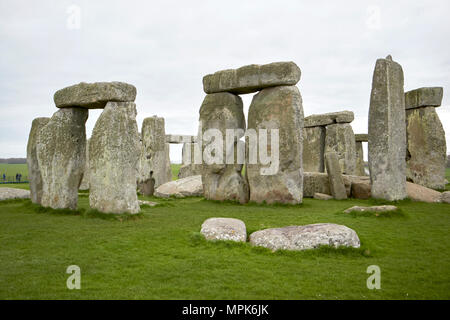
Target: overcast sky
(165, 48)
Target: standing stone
(337, 185)
(34, 172)
(387, 132)
(154, 162)
(113, 160)
(85, 181)
(313, 149)
(359, 163)
(426, 148)
(221, 181)
(360, 166)
(189, 167)
(61, 153)
(341, 140)
(278, 108)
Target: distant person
(19, 176)
(4, 177)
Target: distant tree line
(14, 160)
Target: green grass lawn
(12, 169)
(160, 253)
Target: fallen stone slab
(315, 182)
(341, 140)
(424, 97)
(325, 119)
(252, 78)
(420, 193)
(305, 237)
(224, 229)
(445, 197)
(147, 203)
(94, 95)
(187, 187)
(322, 196)
(337, 186)
(13, 193)
(378, 209)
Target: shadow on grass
(196, 239)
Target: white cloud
(165, 48)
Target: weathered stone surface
(313, 149)
(147, 203)
(305, 237)
(154, 165)
(420, 193)
(252, 78)
(424, 97)
(85, 181)
(321, 196)
(385, 208)
(426, 148)
(445, 197)
(341, 140)
(278, 108)
(186, 187)
(325, 119)
(221, 181)
(361, 137)
(189, 167)
(13, 193)
(94, 95)
(177, 138)
(337, 186)
(61, 153)
(34, 173)
(315, 182)
(387, 132)
(113, 160)
(361, 190)
(359, 161)
(224, 229)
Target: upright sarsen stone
(359, 168)
(34, 172)
(154, 161)
(113, 159)
(85, 181)
(337, 186)
(387, 132)
(61, 153)
(278, 108)
(221, 180)
(426, 148)
(341, 140)
(313, 149)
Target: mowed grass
(160, 254)
(13, 169)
